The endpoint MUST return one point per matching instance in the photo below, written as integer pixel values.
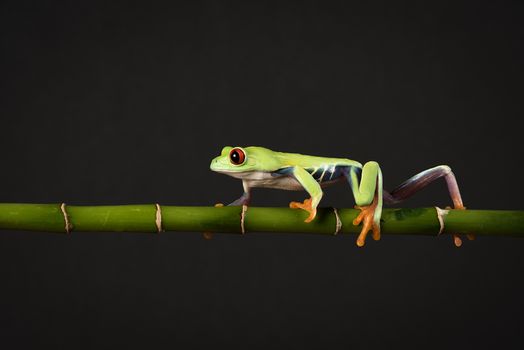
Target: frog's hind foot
(420, 181)
(456, 238)
(306, 205)
(367, 217)
(458, 241)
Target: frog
(260, 167)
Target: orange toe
(366, 218)
(361, 240)
(457, 241)
(312, 214)
(376, 232)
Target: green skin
(262, 167)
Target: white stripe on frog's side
(330, 168)
(333, 168)
(329, 172)
(323, 173)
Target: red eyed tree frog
(262, 167)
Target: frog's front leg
(246, 196)
(368, 197)
(312, 187)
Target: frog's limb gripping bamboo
(312, 187)
(367, 216)
(245, 198)
(368, 197)
(307, 206)
(423, 179)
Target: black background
(127, 102)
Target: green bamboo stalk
(148, 218)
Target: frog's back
(306, 161)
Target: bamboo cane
(153, 218)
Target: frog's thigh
(416, 183)
(364, 191)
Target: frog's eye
(237, 156)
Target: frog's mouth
(222, 165)
(218, 165)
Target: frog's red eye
(237, 156)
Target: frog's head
(238, 160)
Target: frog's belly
(283, 182)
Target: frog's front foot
(307, 207)
(367, 217)
(243, 200)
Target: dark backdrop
(127, 102)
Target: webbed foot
(306, 205)
(366, 216)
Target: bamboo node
(242, 218)
(441, 213)
(68, 225)
(158, 220)
(339, 222)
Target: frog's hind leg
(420, 181)
(367, 192)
